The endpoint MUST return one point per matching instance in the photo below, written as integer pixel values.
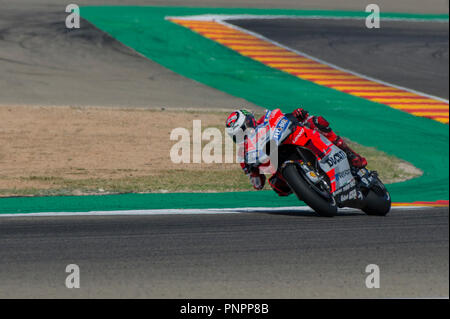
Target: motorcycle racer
(242, 120)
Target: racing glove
(301, 114)
(258, 180)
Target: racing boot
(354, 158)
(322, 124)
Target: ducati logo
(336, 158)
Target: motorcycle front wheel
(306, 192)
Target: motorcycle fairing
(332, 160)
(280, 126)
(335, 164)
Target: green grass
(165, 181)
(390, 168)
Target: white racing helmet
(238, 122)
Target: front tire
(304, 192)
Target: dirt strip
(73, 150)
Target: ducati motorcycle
(316, 170)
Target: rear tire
(306, 194)
(378, 202)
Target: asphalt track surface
(41, 63)
(248, 255)
(274, 255)
(410, 54)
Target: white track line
(220, 19)
(221, 211)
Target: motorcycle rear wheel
(307, 194)
(378, 202)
